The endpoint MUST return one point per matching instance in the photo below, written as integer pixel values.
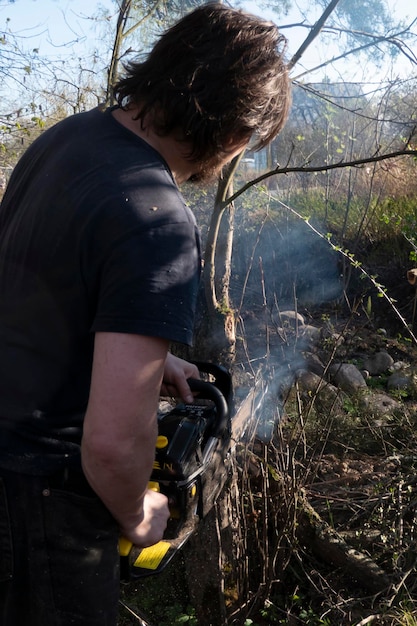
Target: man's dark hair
(217, 75)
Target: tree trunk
(205, 571)
(215, 333)
(124, 12)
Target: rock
(327, 397)
(380, 403)
(291, 318)
(398, 380)
(412, 276)
(314, 364)
(399, 365)
(309, 381)
(405, 380)
(379, 363)
(347, 377)
(311, 333)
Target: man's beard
(204, 177)
(208, 171)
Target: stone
(291, 318)
(314, 363)
(405, 380)
(312, 334)
(398, 365)
(327, 397)
(347, 377)
(398, 380)
(378, 363)
(380, 404)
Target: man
(99, 267)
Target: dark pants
(59, 562)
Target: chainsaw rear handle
(208, 391)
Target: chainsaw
(190, 468)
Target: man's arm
(120, 429)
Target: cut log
(330, 547)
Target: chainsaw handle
(222, 379)
(208, 391)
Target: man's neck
(168, 147)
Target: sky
(405, 10)
(50, 25)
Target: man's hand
(155, 517)
(176, 372)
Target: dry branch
(329, 546)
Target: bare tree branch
(375, 40)
(315, 31)
(306, 169)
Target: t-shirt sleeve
(148, 283)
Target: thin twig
(142, 620)
(368, 620)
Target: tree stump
(204, 571)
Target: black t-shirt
(94, 236)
